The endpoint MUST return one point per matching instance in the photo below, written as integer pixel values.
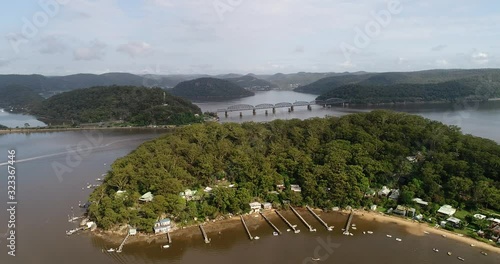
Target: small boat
(111, 250)
(460, 258)
(98, 179)
(389, 236)
(399, 239)
(354, 228)
(351, 234)
(165, 246)
(330, 228)
(288, 230)
(256, 238)
(353, 225)
(275, 233)
(472, 245)
(425, 232)
(435, 250)
(443, 235)
(315, 259)
(484, 253)
(297, 231)
(449, 253)
(369, 232)
(364, 233)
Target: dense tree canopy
(334, 160)
(135, 105)
(209, 89)
(19, 98)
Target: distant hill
(294, 80)
(450, 91)
(135, 105)
(253, 83)
(209, 89)
(19, 98)
(391, 78)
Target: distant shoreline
(46, 130)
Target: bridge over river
(290, 106)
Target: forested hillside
(209, 89)
(134, 105)
(19, 98)
(336, 161)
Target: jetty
(329, 228)
(288, 223)
(246, 228)
(348, 225)
(270, 223)
(123, 243)
(311, 229)
(169, 238)
(207, 240)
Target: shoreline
(255, 221)
(417, 229)
(48, 130)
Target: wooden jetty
(311, 229)
(169, 238)
(348, 225)
(270, 223)
(288, 223)
(120, 248)
(329, 228)
(207, 240)
(246, 228)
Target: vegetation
(209, 89)
(336, 161)
(19, 98)
(448, 91)
(480, 80)
(252, 83)
(2, 127)
(134, 105)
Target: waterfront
(45, 201)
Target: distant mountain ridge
(208, 88)
(252, 83)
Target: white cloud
(52, 45)
(94, 51)
(480, 58)
(442, 63)
(135, 48)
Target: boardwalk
(329, 228)
(123, 244)
(288, 223)
(207, 240)
(246, 228)
(271, 223)
(348, 225)
(311, 229)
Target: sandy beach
(418, 229)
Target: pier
(169, 238)
(207, 240)
(329, 228)
(246, 228)
(348, 225)
(288, 223)
(270, 223)
(122, 244)
(303, 220)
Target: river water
(51, 177)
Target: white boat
(364, 233)
(354, 228)
(435, 250)
(389, 236)
(425, 232)
(297, 231)
(484, 253)
(288, 230)
(460, 258)
(111, 250)
(443, 235)
(275, 233)
(449, 253)
(399, 239)
(256, 238)
(165, 246)
(472, 245)
(98, 179)
(315, 259)
(369, 232)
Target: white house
(454, 221)
(480, 216)
(208, 189)
(447, 210)
(147, 197)
(394, 194)
(162, 226)
(420, 201)
(384, 191)
(267, 206)
(255, 207)
(295, 188)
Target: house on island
(394, 194)
(147, 197)
(404, 211)
(453, 221)
(447, 210)
(267, 206)
(384, 191)
(163, 226)
(420, 202)
(255, 207)
(295, 188)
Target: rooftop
(447, 210)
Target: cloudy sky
(60, 37)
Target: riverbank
(418, 229)
(45, 130)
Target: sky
(62, 37)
